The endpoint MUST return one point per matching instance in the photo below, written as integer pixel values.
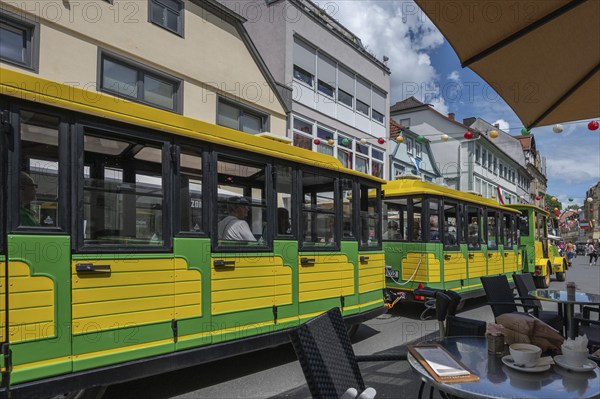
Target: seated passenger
(234, 227)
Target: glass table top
(562, 296)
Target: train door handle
(90, 267)
(447, 257)
(471, 256)
(490, 255)
(223, 263)
(364, 259)
(506, 254)
(307, 260)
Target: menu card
(440, 364)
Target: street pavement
(275, 372)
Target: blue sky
(423, 64)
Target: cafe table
(496, 380)
(568, 302)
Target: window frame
(141, 70)
(63, 225)
(117, 131)
(340, 101)
(32, 39)
(455, 204)
(242, 109)
(180, 18)
(373, 114)
(358, 207)
(303, 72)
(322, 84)
(368, 110)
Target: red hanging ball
(468, 135)
(593, 125)
(317, 141)
(538, 198)
(381, 140)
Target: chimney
(469, 121)
(451, 116)
(497, 125)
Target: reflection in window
(508, 233)
(190, 195)
(283, 188)
(492, 230)
(324, 135)
(451, 229)
(123, 195)
(394, 220)
(370, 228)
(303, 76)
(318, 211)
(237, 117)
(347, 209)
(473, 227)
(523, 225)
(39, 174)
(434, 221)
(242, 206)
(415, 220)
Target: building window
(303, 76)
(345, 98)
(377, 167)
(483, 158)
(362, 107)
(477, 161)
(325, 135)
(19, 41)
(418, 150)
(167, 14)
(378, 116)
(240, 118)
(405, 122)
(409, 146)
(325, 88)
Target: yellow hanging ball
(553, 199)
(330, 142)
(399, 139)
(444, 137)
(494, 134)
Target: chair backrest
(497, 290)
(326, 356)
(525, 283)
(446, 304)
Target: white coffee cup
(525, 355)
(575, 357)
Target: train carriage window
(284, 184)
(242, 205)
(472, 227)
(451, 229)
(492, 230)
(395, 215)
(319, 229)
(123, 192)
(370, 228)
(523, 225)
(347, 208)
(415, 220)
(39, 171)
(190, 190)
(508, 231)
(434, 220)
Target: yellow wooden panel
(410, 264)
(128, 265)
(371, 280)
(236, 273)
(25, 316)
(510, 262)
(221, 285)
(29, 284)
(315, 295)
(123, 292)
(120, 320)
(348, 291)
(31, 332)
(254, 292)
(323, 285)
(188, 287)
(477, 265)
(242, 304)
(495, 264)
(93, 280)
(370, 287)
(182, 312)
(328, 277)
(371, 272)
(187, 299)
(310, 277)
(122, 306)
(26, 300)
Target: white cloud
(504, 125)
(454, 76)
(398, 30)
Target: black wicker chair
(525, 284)
(591, 328)
(328, 360)
(500, 296)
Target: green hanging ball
(421, 138)
(525, 132)
(345, 141)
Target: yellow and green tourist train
(115, 262)
(441, 238)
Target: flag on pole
(417, 163)
(500, 199)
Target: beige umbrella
(541, 56)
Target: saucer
(588, 365)
(508, 361)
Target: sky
(424, 65)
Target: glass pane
(318, 210)
(416, 234)
(324, 135)
(119, 79)
(241, 204)
(473, 228)
(347, 209)
(303, 126)
(450, 224)
(283, 188)
(190, 194)
(251, 123)
(492, 231)
(345, 98)
(326, 89)
(377, 169)
(370, 228)
(302, 141)
(362, 107)
(362, 165)
(159, 92)
(345, 158)
(172, 20)
(434, 220)
(12, 45)
(303, 76)
(39, 176)
(123, 198)
(104, 145)
(228, 115)
(394, 220)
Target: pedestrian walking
(592, 251)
